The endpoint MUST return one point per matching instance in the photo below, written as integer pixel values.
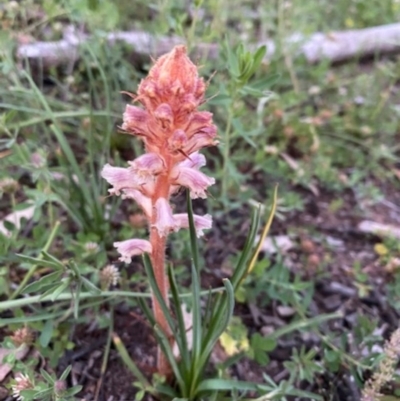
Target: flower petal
(201, 139)
(195, 160)
(164, 115)
(120, 178)
(200, 222)
(132, 247)
(145, 167)
(142, 200)
(135, 120)
(198, 121)
(193, 179)
(165, 222)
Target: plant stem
(158, 262)
(226, 153)
(33, 267)
(286, 54)
(66, 296)
(106, 354)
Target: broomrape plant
(173, 131)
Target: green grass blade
(219, 322)
(196, 330)
(193, 237)
(226, 385)
(241, 266)
(265, 232)
(179, 316)
(129, 362)
(40, 261)
(303, 324)
(147, 311)
(154, 287)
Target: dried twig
(334, 46)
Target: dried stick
(334, 46)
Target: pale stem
(158, 262)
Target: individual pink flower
(164, 115)
(120, 178)
(201, 223)
(165, 222)
(132, 247)
(193, 179)
(201, 139)
(197, 122)
(135, 120)
(146, 167)
(177, 141)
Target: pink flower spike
(120, 178)
(165, 222)
(195, 160)
(142, 200)
(146, 167)
(132, 247)
(193, 179)
(200, 222)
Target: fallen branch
(334, 46)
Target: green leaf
(51, 258)
(26, 319)
(41, 262)
(192, 230)
(51, 279)
(184, 352)
(263, 343)
(147, 311)
(303, 324)
(233, 65)
(226, 385)
(28, 395)
(119, 345)
(90, 286)
(264, 233)
(259, 56)
(46, 333)
(60, 289)
(65, 374)
(197, 329)
(241, 266)
(165, 390)
(219, 322)
(154, 287)
(74, 390)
